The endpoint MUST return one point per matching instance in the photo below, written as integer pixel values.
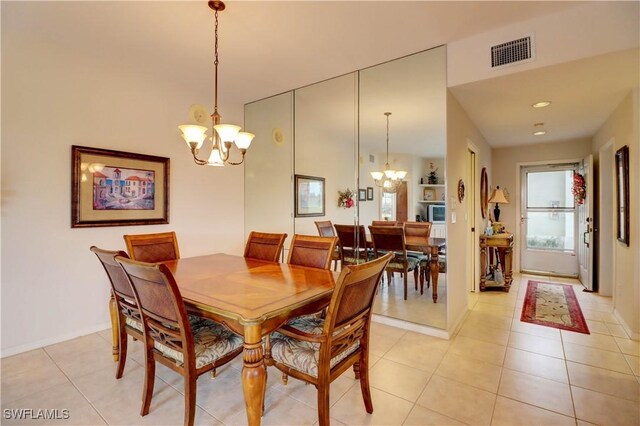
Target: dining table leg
(435, 270)
(254, 373)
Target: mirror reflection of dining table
(427, 246)
(252, 298)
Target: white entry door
(585, 226)
(548, 221)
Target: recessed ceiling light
(541, 104)
(540, 133)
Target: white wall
(622, 126)
(56, 94)
(592, 29)
(461, 131)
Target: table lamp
(498, 198)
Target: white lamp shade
(386, 184)
(243, 140)
(377, 175)
(192, 133)
(400, 174)
(391, 174)
(215, 159)
(227, 132)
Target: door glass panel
(551, 231)
(388, 207)
(550, 189)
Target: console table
(502, 245)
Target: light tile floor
(497, 370)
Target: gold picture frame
(429, 194)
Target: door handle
(584, 238)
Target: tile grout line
(76, 387)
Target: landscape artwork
(119, 188)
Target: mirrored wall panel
(325, 132)
(413, 90)
(268, 204)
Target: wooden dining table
(425, 245)
(252, 298)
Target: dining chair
(309, 250)
(353, 244)
(318, 350)
(384, 223)
(188, 345)
(391, 239)
(420, 229)
(125, 315)
(264, 246)
(153, 247)
(325, 229)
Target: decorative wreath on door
(579, 188)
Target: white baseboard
(411, 326)
(627, 329)
(53, 340)
(457, 324)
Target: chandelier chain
(215, 63)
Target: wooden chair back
(153, 248)
(352, 240)
(123, 307)
(264, 246)
(325, 228)
(384, 223)
(309, 250)
(351, 304)
(389, 238)
(164, 315)
(117, 277)
(417, 229)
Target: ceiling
(583, 94)
(269, 47)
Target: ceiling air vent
(511, 52)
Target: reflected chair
(153, 247)
(125, 315)
(325, 229)
(264, 246)
(318, 350)
(384, 223)
(309, 250)
(353, 244)
(188, 345)
(391, 239)
(423, 230)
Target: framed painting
(369, 193)
(429, 194)
(622, 194)
(309, 193)
(117, 188)
(362, 194)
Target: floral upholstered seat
(211, 341)
(300, 355)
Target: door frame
(471, 219)
(603, 244)
(517, 242)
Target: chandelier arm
(243, 151)
(194, 152)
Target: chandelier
(389, 179)
(223, 135)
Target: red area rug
(554, 305)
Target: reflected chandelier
(223, 135)
(389, 179)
